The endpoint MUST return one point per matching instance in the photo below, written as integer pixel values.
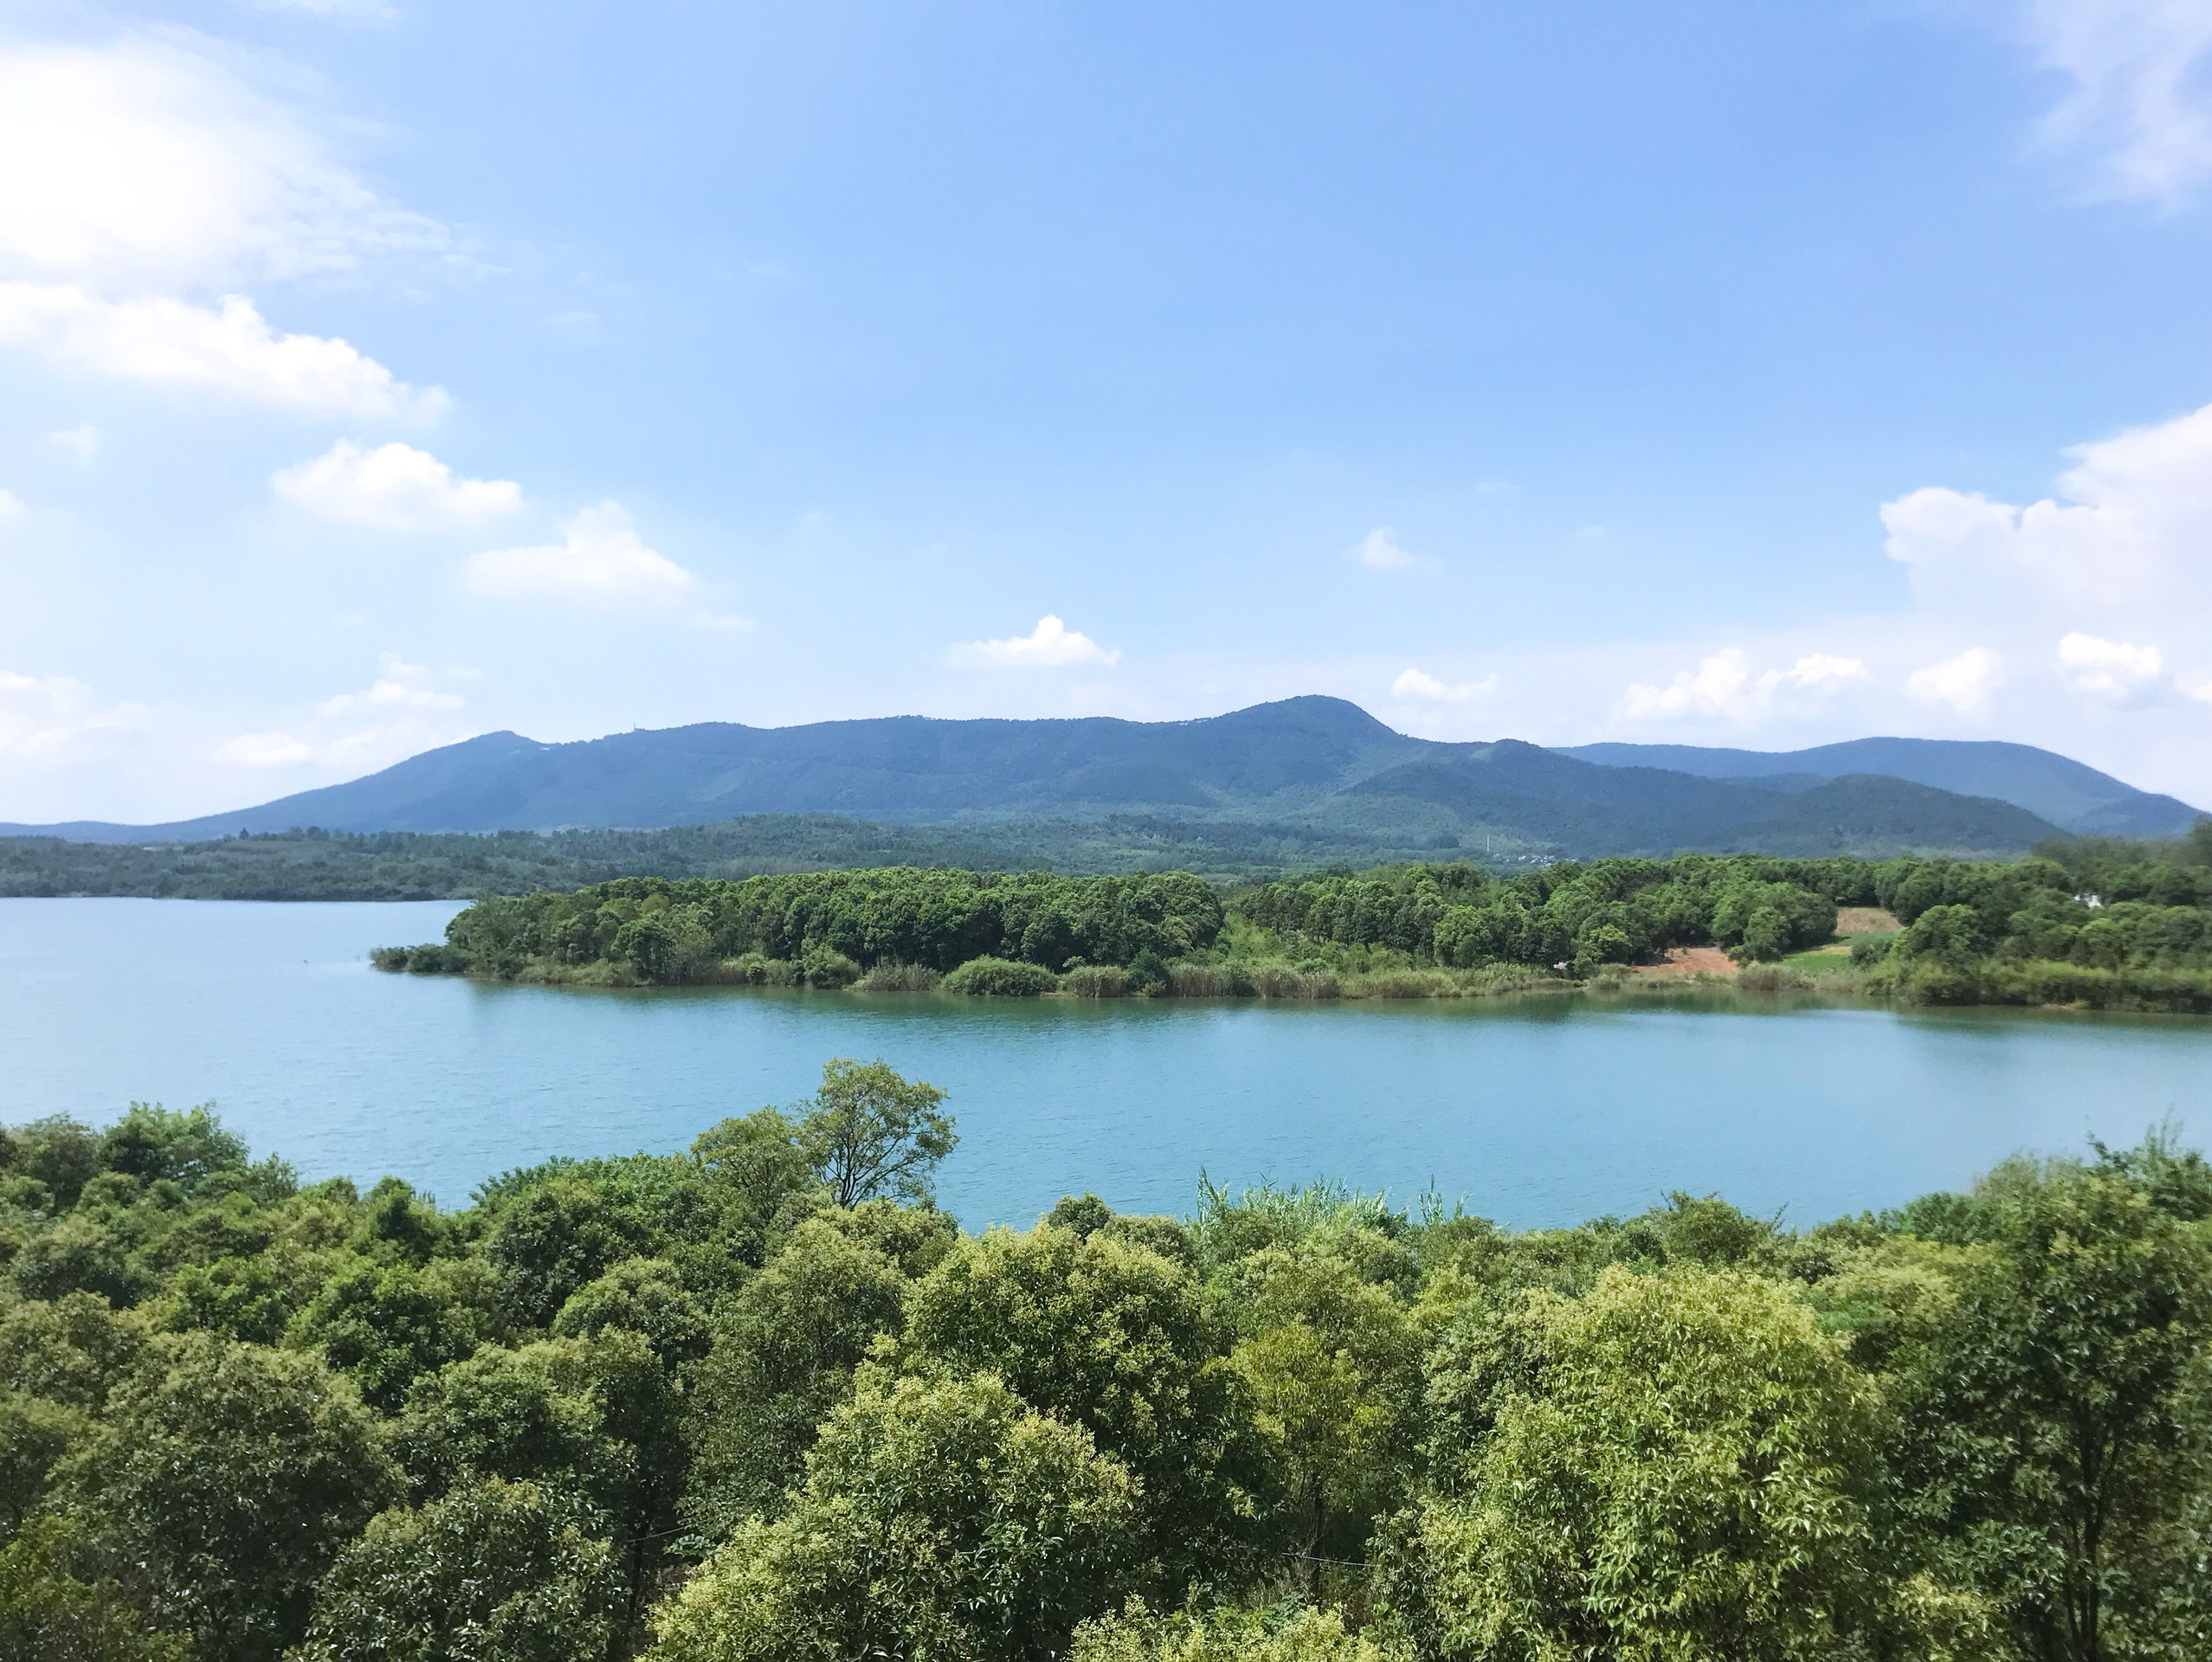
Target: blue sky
(375, 374)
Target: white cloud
(2113, 669)
(1415, 683)
(343, 11)
(148, 163)
(1965, 684)
(2139, 92)
(1378, 551)
(12, 508)
(81, 442)
(1717, 686)
(402, 686)
(2138, 509)
(1723, 686)
(600, 556)
(1051, 644)
(227, 348)
(1817, 669)
(395, 488)
(264, 750)
(49, 719)
(2115, 554)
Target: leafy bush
(1001, 978)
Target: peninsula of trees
(2100, 925)
(763, 1401)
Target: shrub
(1001, 978)
(826, 966)
(757, 970)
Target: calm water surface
(1543, 1111)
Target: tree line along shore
(764, 1402)
(2100, 924)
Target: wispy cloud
(2138, 97)
(152, 163)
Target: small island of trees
(764, 1402)
(2090, 923)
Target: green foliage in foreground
(761, 1401)
(2118, 925)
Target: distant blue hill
(1318, 764)
(2071, 795)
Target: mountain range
(1319, 763)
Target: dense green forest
(315, 865)
(763, 1401)
(2101, 924)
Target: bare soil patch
(1864, 920)
(1691, 960)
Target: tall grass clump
(1279, 979)
(1096, 981)
(890, 977)
(1201, 980)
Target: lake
(1537, 1111)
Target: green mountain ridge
(1318, 769)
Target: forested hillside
(2105, 925)
(428, 865)
(761, 1401)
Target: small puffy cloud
(1379, 551)
(81, 442)
(1723, 685)
(1051, 644)
(2138, 98)
(2112, 669)
(394, 488)
(1965, 684)
(402, 686)
(12, 508)
(227, 348)
(1719, 685)
(150, 162)
(1818, 669)
(600, 557)
(264, 751)
(1418, 685)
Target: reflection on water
(1535, 1110)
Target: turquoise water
(1542, 1111)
